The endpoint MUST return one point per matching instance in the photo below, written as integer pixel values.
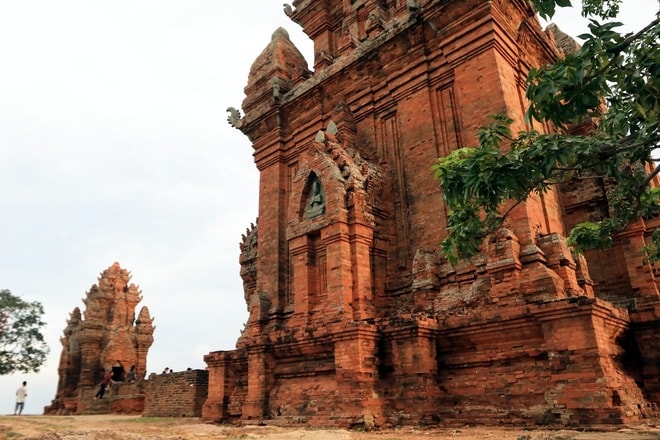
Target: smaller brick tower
(108, 332)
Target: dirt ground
(117, 427)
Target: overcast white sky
(114, 146)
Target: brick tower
(107, 332)
(355, 319)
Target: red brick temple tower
(355, 318)
(108, 331)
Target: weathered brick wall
(227, 374)
(119, 398)
(552, 363)
(179, 394)
(355, 317)
(645, 324)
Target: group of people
(169, 370)
(115, 374)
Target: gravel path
(118, 427)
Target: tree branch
(628, 41)
(648, 179)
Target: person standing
(107, 381)
(132, 375)
(21, 394)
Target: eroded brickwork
(106, 332)
(355, 318)
(179, 394)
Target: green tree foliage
(22, 346)
(482, 184)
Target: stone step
(98, 406)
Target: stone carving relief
(248, 261)
(234, 118)
(358, 175)
(316, 200)
(375, 21)
(414, 7)
(425, 269)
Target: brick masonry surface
(107, 336)
(355, 318)
(179, 394)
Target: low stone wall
(179, 394)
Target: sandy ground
(117, 427)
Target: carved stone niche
(315, 205)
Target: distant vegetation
(22, 346)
